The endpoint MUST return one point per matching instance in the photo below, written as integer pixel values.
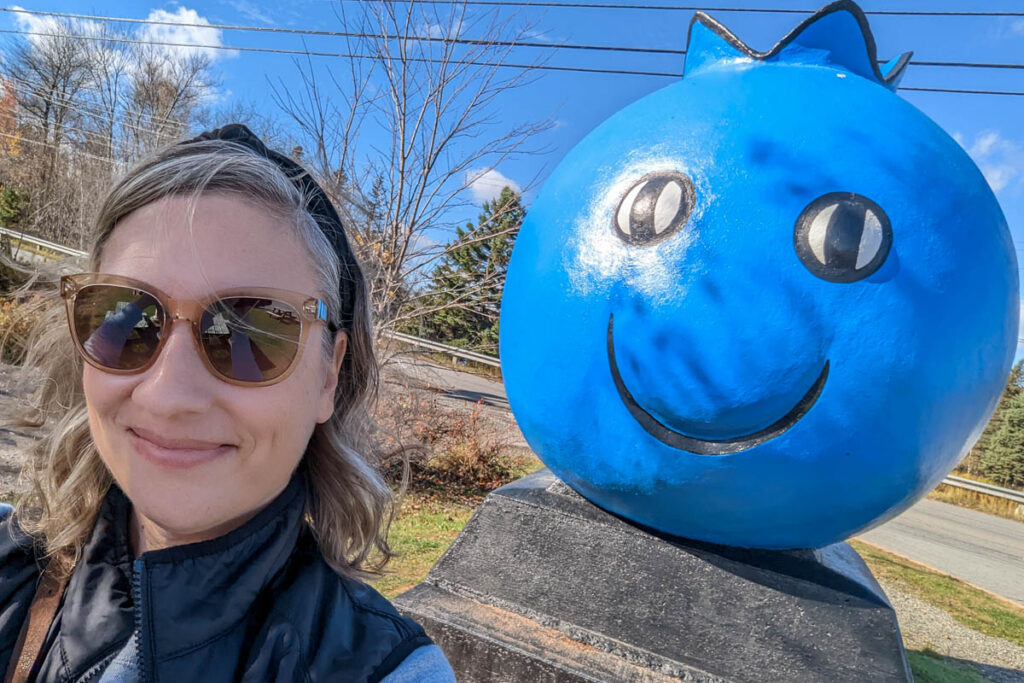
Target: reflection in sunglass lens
(119, 327)
(250, 339)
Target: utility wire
(124, 112)
(18, 138)
(346, 55)
(694, 8)
(121, 116)
(431, 39)
(345, 34)
(508, 65)
(964, 92)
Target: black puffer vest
(258, 604)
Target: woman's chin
(177, 517)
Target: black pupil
(655, 207)
(842, 239)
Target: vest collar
(179, 597)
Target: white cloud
(437, 31)
(187, 39)
(1000, 160)
(33, 23)
(250, 11)
(539, 36)
(983, 144)
(1020, 327)
(487, 183)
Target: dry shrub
(425, 444)
(15, 320)
(978, 501)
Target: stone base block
(543, 586)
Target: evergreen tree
(1003, 459)
(1014, 388)
(465, 288)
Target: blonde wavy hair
(349, 506)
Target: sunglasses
(250, 336)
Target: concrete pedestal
(543, 586)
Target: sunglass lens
(251, 339)
(118, 327)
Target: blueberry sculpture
(769, 305)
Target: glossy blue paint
(770, 407)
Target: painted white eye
(654, 208)
(842, 237)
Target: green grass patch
(423, 529)
(930, 667)
(970, 606)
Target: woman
(200, 506)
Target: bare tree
(52, 71)
(396, 137)
(109, 68)
(166, 91)
(89, 100)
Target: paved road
(982, 549)
(455, 384)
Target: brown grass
(428, 444)
(978, 501)
(14, 327)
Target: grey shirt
(425, 664)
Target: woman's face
(254, 437)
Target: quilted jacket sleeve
(18, 576)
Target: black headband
(319, 207)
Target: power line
(964, 92)
(694, 8)
(344, 55)
(431, 39)
(121, 117)
(346, 34)
(18, 138)
(973, 65)
(507, 65)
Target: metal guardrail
(43, 244)
(987, 489)
(446, 349)
(493, 361)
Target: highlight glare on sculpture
(769, 305)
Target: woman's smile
(175, 453)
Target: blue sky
(991, 128)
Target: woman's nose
(177, 381)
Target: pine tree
(465, 289)
(1003, 460)
(971, 464)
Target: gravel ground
(926, 626)
(12, 443)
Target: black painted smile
(671, 437)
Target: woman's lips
(171, 453)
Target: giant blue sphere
(769, 305)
